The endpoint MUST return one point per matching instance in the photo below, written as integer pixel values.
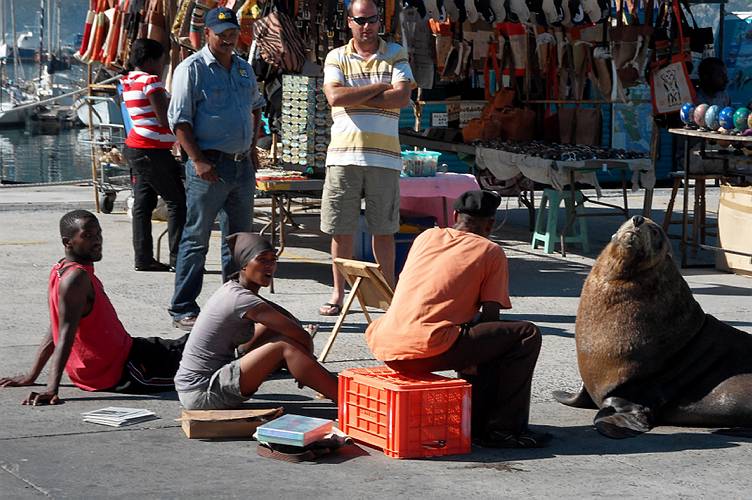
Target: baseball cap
(477, 203)
(221, 19)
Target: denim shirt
(217, 103)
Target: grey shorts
(222, 393)
(345, 186)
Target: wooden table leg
(685, 205)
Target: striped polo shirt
(364, 135)
(146, 132)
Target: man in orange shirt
(445, 316)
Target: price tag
(439, 119)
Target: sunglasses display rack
(306, 123)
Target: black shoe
(502, 439)
(185, 324)
(154, 266)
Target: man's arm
(396, 97)
(74, 293)
(489, 311)
(187, 140)
(275, 320)
(43, 355)
(339, 95)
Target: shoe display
(185, 323)
(154, 266)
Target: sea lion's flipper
(580, 399)
(619, 419)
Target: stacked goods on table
(561, 152)
(275, 174)
(116, 416)
(306, 123)
(727, 121)
(419, 163)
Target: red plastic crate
(407, 417)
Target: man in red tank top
(85, 337)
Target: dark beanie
(477, 203)
(246, 246)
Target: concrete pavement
(49, 451)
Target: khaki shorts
(346, 186)
(223, 392)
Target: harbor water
(27, 158)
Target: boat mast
(17, 68)
(41, 37)
(57, 26)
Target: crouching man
(445, 316)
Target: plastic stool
(546, 226)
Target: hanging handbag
(515, 35)
(156, 24)
(701, 42)
(629, 42)
(279, 42)
(670, 84)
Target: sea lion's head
(638, 245)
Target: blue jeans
(232, 199)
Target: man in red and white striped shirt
(148, 152)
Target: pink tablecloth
(434, 195)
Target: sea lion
(648, 355)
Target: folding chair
(368, 285)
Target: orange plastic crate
(407, 417)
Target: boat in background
(27, 46)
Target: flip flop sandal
(329, 309)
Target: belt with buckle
(215, 155)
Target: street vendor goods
(726, 118)
(561, 152)
(711, 117)
(647, 353)
(742, 119)
(700, 111)
(687, 114)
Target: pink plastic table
(434, 196)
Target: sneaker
(502, 439)
(154, 266)
(185, 324)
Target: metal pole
(41, 37)
(17, 68)
(58, 47)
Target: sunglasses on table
(361, 21)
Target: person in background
(445, 316)
(241, 338)
(713, 81)
(215, 112)
(366, 82)
(85, 336)
(154, 170)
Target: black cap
(221, 19)
(477, 203)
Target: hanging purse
(670, 85)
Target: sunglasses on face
(361, 21)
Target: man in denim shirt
(215, 112)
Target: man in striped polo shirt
(366, 82)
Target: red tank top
(102, 345)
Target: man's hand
(205, 170)
(17, 381)
(255, 158)
(41, 399)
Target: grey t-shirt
(220, 328)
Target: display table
(736, 141)
(435, 196)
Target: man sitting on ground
(445, 316)
(85, 335)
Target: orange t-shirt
(448, 274)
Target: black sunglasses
(361, 21)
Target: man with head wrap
(240, 338)
(445, 316)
